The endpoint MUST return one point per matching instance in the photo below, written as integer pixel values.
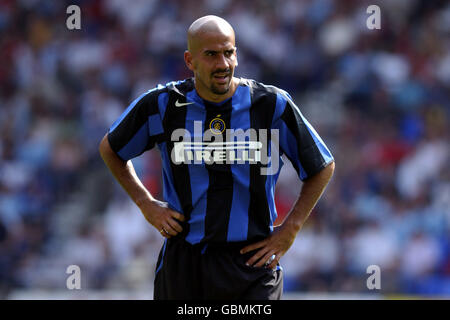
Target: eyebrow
(216, 51)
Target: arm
(282, 238)
(154, 211)
(310, 194)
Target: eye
(229, 53)
(210, 53)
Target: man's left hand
(276, 244)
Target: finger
(264, 259)
(256, 256)
(177, 216)
(175, 225)
(163, 232)
(274, 262)
(253, 246)
(169, 230)
(166, 235)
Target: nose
(222, 62)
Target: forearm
(310, 194)
(282, 238)
(156, 212)
(125, 174)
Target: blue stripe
(325, 152)
(279, 108)
(169, 193)
(162, 258)
(198, 174)
(155, 125)
(163, 99)
(240, 118)
(271, 181)
(136, 145)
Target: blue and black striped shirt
(219, 184)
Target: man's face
(213, 62)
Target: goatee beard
(220, 92)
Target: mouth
(221, 78)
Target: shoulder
(180, 86)
(260, 89)
(149, 101)
(257, 86)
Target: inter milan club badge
(217, 126)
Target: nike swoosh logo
(181, 104)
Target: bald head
(211, 56)
(207, 27)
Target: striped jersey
(221, 161)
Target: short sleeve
(138, 128)
(298, 139)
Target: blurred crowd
(378, 98)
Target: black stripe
(309, 154)
(220, 191)
(261, 113)
(175, 118)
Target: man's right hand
(164, 219)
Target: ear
(188, 60)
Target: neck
(209, 96)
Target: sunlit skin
(211, 56)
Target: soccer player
(221, 139)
